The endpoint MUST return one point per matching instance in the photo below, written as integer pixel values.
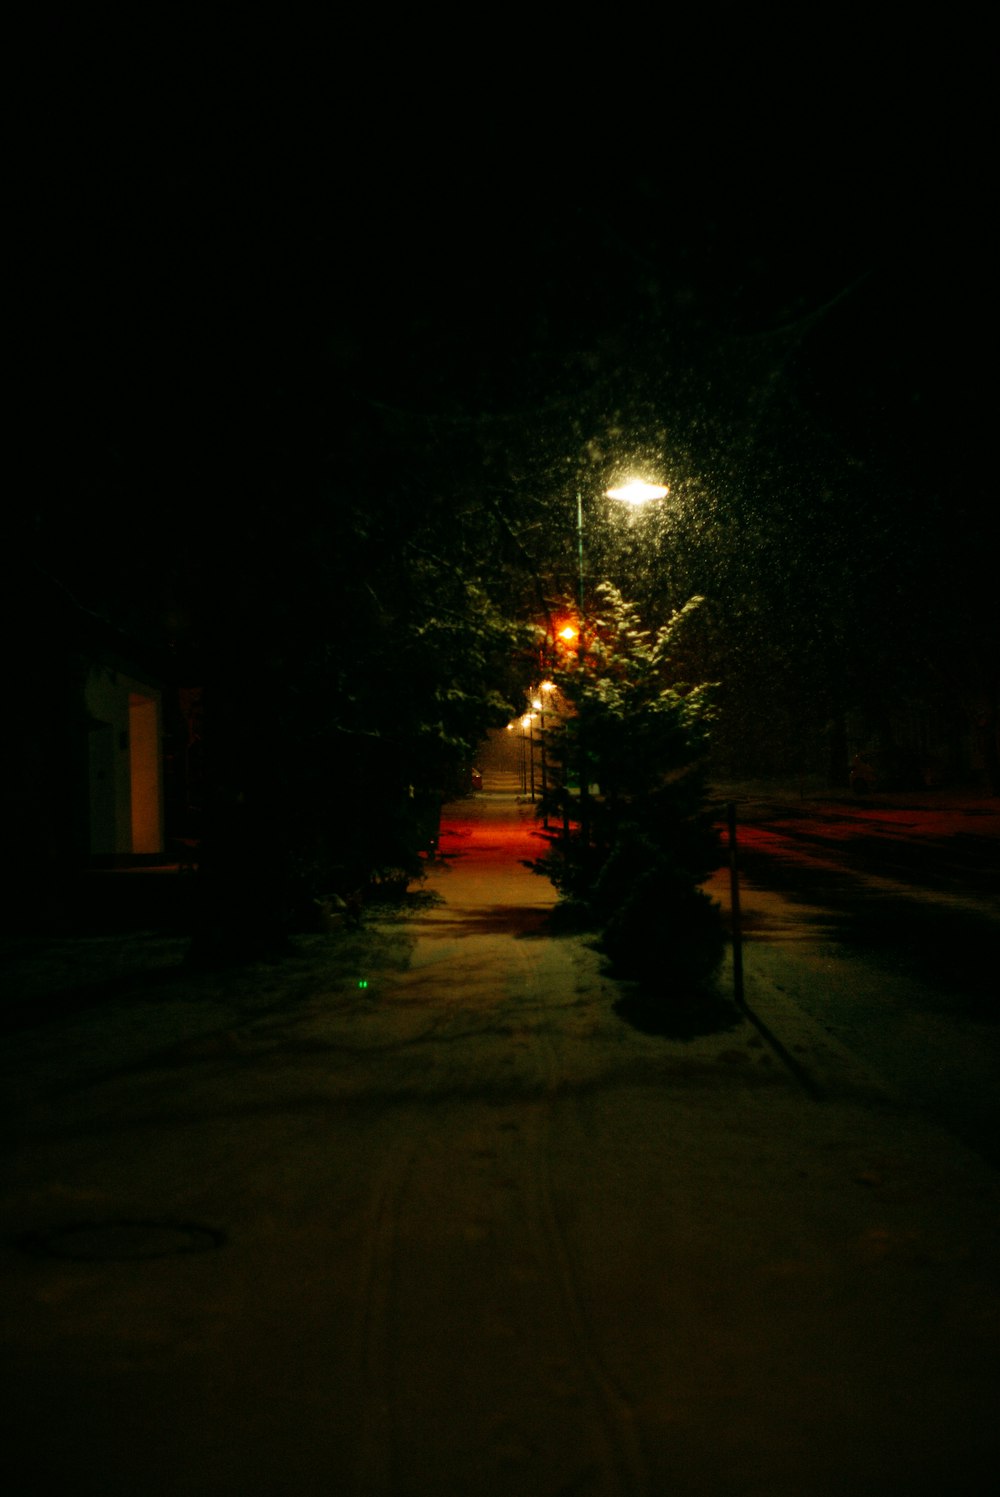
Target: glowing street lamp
(635, 491)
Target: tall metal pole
(531, 757)
(545, 783)
(580, 649)
(734, 897)
(579, 552)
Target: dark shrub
(667, 935)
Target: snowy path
(491, 1309)
(485, 1240)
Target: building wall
(145, 771)
(125, 764)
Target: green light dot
(362, 982)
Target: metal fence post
(734, 899)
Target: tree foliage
(632, 731)
(361, 658)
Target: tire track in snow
(622, 1460)
(374, 1471)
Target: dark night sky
(211, 256)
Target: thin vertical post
(580, 651)
(545, 783)
(531, 759)
(579, 544)
(734, 898)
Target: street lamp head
(568, 634)
(636, 491)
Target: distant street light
(528, 737)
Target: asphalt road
(886, 913)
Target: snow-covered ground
(477, 1235)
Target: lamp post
(635, 491)
(528, 737)
(539, 702)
